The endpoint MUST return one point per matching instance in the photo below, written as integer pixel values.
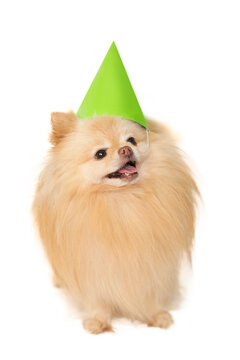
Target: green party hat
(111, 92)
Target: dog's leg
(97, 320)
(56, 281)
(162, 319)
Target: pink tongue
(128, 169)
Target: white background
(183, 59)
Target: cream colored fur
(115, 246)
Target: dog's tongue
(128, 169)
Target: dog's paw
(56, 281)
(163, 319)
(95, 326)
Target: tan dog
(115, 217)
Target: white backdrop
(183, 59)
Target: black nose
(125, 151)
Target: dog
(116, 214)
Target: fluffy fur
(115, 245)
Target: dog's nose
(125, 151)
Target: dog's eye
(132, 140)
(100, 154)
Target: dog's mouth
(127, 171)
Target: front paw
(95, 326)
(163, 319)
(56, 281)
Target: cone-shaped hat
(111, 92)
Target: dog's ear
(62, 124)
(155, 126)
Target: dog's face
(103, 150)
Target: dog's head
(102, 150)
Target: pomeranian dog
(116, 216)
